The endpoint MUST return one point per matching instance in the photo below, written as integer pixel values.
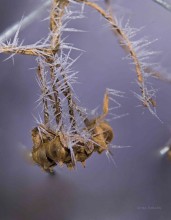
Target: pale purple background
(139, 187)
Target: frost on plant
(66, 134)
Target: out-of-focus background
(138, 187)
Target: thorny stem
(26, 50)
(71, 103)
(68, 94)
(57, 104)
(128, 46)
(120, 34)
(58, 145)
(48, 54)
(44, 91)
(55, 24)
(56, 14)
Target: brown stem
(26, 50)
(71, 104)
(44, 91)
(128, 45)
(120, 33)
(57, 105)
(57, 12)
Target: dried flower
(66, 135)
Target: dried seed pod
(50, 148)
(48, 153)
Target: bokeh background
(138, 187)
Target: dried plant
(66, 134)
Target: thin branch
(44, 92)
(128, 46)
(26, 50)
(56, 14)
(57, 105)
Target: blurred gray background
(139, 186)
